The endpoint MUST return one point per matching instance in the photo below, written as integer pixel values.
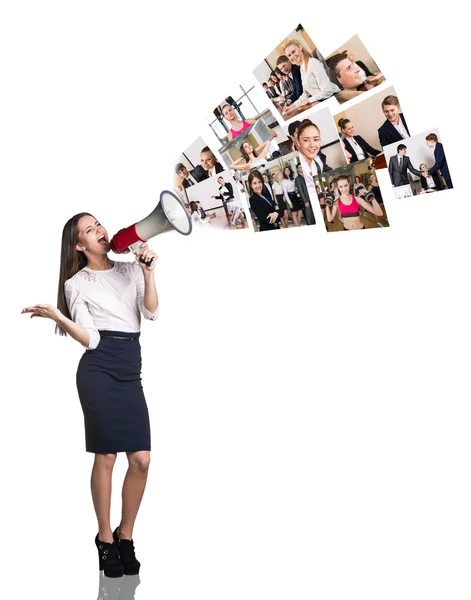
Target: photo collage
(300, 142)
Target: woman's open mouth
(102, 240)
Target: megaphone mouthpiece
(125, 238)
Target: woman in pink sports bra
(348, 206)
(237, 125)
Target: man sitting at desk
(349, 75)
(429, 182)
(399, 165)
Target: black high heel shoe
(126, 554)
(109, 559)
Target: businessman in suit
(293, 73)
(440, 159)
(189, 178)
(394, 129)
(226, 191)
(399, 165)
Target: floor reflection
(117, 588)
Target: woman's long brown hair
(72, 260)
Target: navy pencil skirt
(110, 391)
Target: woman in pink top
(348, 206)
(237, 125)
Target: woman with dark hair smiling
(348, 206)
(264, 207)
(313, 160)
(100, 303)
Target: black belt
(118, 337)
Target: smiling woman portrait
(99, 304)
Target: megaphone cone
(169, 214)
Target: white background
(309, 393)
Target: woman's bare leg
(133, 490)
(101, 493)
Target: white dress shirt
(308, 178)
(358, 150)
(110, 300)
(401, 129)
(316, 83)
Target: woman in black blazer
(355, 144)
(264, 207)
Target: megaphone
(170, 213)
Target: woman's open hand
(47, 311)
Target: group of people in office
(301, 78)
(271, 197)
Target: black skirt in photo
(110, 391)
(295, 201)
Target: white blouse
(110, 300)
(316, 83)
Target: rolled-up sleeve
(80, 314)
(140, 289)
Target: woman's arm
(237, 167)
(331, 211)
(266, 148)
(284, 187)
(374, 207)
(147, 296)
(47, 311)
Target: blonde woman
(316, 83)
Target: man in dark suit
(440, 159)
(301, 189)
(399, 165)
(394, 129)
(293, 73)
(226, 191)
(209, 166)
(189, 178)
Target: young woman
(100, 303)
(292, 199)
(316, 83)
(348, 206)
(357, 147)
(280, 200)
(237, 125)
(254, 157)
(265, 209)
(312, 160)
(198, 216)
